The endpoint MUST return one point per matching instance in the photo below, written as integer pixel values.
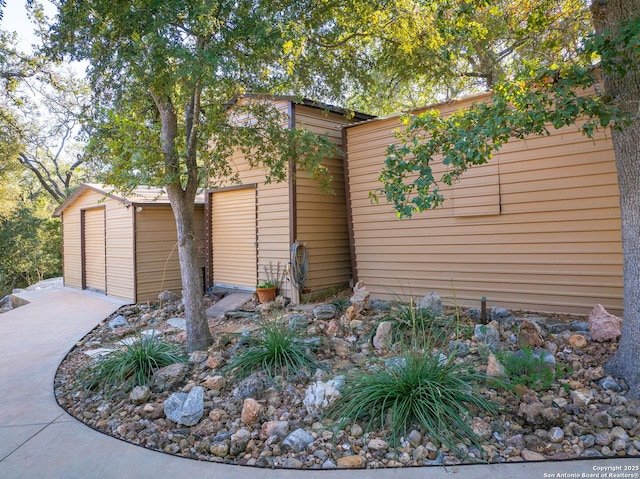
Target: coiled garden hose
(299, 265)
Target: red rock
(603, 325)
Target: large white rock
(320, 395)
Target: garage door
(94, 261)
(234, 238)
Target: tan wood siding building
(536, 228)
(123, 247)
(291, 210)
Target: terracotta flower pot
(266, 294)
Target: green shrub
(277, 349)
(419, 325)
(530, 370)
(421, 388)
(341, 303)
(132, 365)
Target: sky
(15, 19)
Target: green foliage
(31, 244)
(425, 52)
(277, 349)
(131, 365)
(265, 284)
(537, 96)
(530, 370)
(417, 324)
(341, 303)
(420, 388)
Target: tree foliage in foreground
(164, 74)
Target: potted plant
(266, 291)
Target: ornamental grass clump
(277, 349)
(419, 388)
(409, 321)
(131, 365)
(340, 303)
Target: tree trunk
(183, 206)
(198, 333)
(624, 92)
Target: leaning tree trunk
(198, 334)
(624, 92)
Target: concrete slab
(228, 303)
(15, 436)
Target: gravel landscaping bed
(269, 421)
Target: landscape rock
(604, 326)
(274, 428)
(351, 462)
(118, 322)
(325, 311)
(140, 394)
(499, 314)
(239, 441)
(581, 397)
(185, 409)
(481, 428)
(530, 335)
(610, 384)
(432, 302)
(488, 335)
(382, 339)
(494, 368)
(320, 395)
(297, 441)
(360, 297)
(528, 455)
(577, 341)
(341, 347)
(168, 296)
(216, 360)
(178, 323)
(536, 412)
(379, 304)
(253, 386)
(556, 434)
(214, 383)
(251, 411)
(170, 377)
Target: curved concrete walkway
(40, 440)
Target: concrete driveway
(40, 440)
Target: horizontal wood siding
(272, 211)
(157, 262)
(552, 245)
(321, 217)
